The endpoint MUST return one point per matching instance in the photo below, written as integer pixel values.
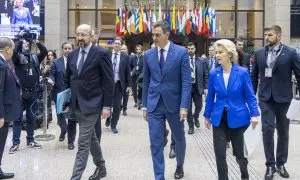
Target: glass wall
(235, 18)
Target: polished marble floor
(127, 155)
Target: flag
(154, 19)
(173, 18)
(145, 20)
(141, 20)
(132, 21)
(137, 20)
(200, 21)
(118, 22)
(183, 21)
(159, 18)
(169, 17)
(179, 23)
(128, 21)
(214, 23)
(149, 19)
(188, 25)
(124, 30)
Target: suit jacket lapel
(169, 59)
(155, 59)
(232, 76)
(11, 71)
(88, 59)
(278, 58)
(221, 79)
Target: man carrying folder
(89, 74)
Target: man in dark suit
(89, 74)
(124, 49)
(239, 43)
(10, 95)
(274, 65)
(211, 61)
(57, 73)
(166, 96)
(121, 69)
(136, 69)
(199, 76)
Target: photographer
(27, 67)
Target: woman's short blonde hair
(230, 48)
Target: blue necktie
(162, 60)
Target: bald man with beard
(89, 74)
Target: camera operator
(27, 67)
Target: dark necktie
(115, 62)
(162, 59)
(81, 62)
(11, 68)
(192, 61)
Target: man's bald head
(6, 47)
(83, 35)
(84, 27)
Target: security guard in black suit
(10, 97)
(274, 65)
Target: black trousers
(134, 87)
(98, 128)
(220, 136)
(273, 115)
(140, 94)
(3, 136)
(117, 105)
(197, 99)
(125, 100)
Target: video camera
(30, 33)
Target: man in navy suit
(10, 95)
(211, 61)
(57, 73)
(239, 43)
(121, 69)
(199, 83)
(89, 74)
(136, 70)
(274, 65)
(166, 95)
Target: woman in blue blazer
(230, 107)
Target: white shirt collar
(2, 56)
(194, 57)
(86, 49)
(65, 58)
(113, 51)
(166, 48)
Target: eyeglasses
(82, 34)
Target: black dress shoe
(107, 122)
(71, 146)
(124, 113)
(283, 172)
(62, 137)
(6, 175)
(179, 172)
(114, 130)
(172, 154)
(270, 173)
(191, 131)
(197, 123)
(100, 172)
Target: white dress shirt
(117, 68)
(166, 49)
(87, 50)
